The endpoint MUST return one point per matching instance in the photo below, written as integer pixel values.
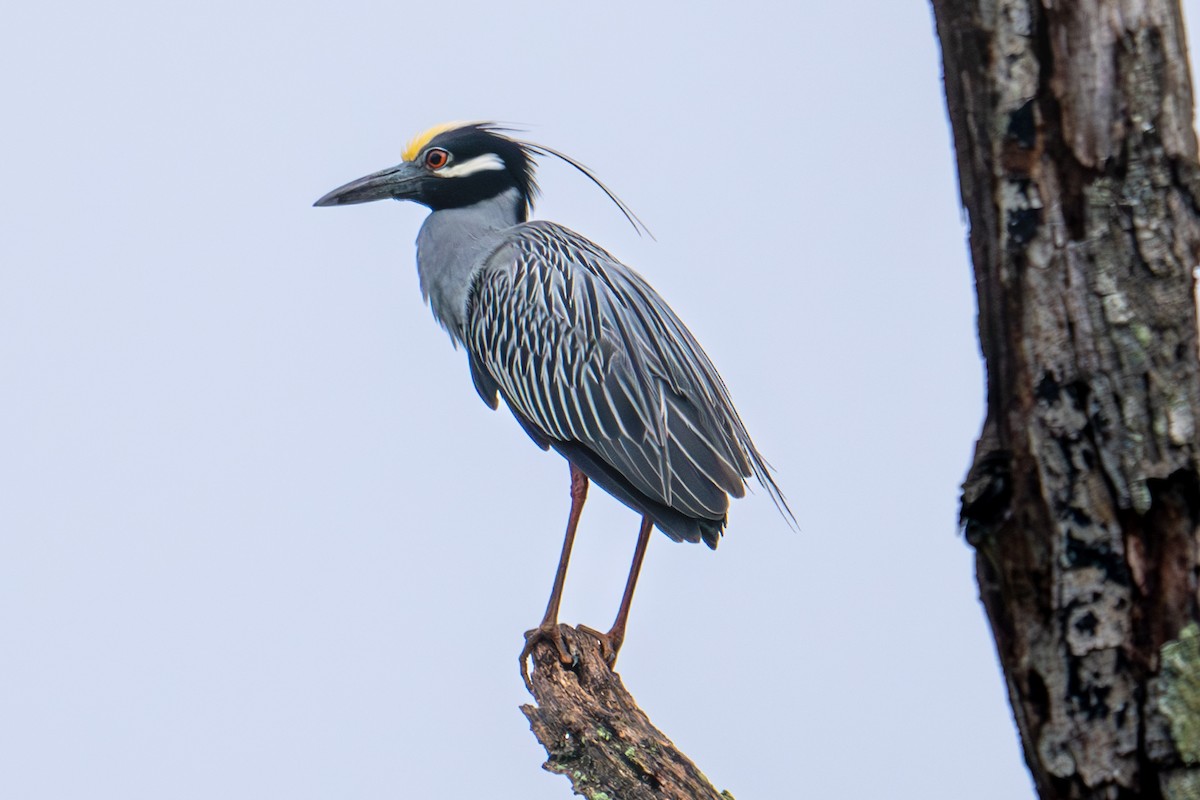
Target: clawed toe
(543, 632)
(610, 644)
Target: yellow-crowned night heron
(589, 359)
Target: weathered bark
(1072, 121)
(595, 734)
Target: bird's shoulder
(546, 287)
(548, 280)
(546, 294)
(547, 250)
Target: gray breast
(452, 247)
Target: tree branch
(595, 734)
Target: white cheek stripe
(470, 167)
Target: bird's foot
(610, 643)
(552, 632)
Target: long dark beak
(399, 182)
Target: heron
(588, 357)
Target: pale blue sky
(259, 537)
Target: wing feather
(587, 354)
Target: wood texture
(1072, 123)
(595, 734)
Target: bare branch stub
(596, 735)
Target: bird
(587, 356)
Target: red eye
(436, 158)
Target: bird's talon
(552, 632)
(608, 646)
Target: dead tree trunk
(1072, 121)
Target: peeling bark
(1077, 164)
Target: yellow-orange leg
(610, 643)
(548, 629)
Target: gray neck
(451, 249)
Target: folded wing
(592, 362)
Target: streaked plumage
(595, 364)
(587, 356)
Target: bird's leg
(610, 643)
(548, 629)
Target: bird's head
(449, 166)
(460, 164)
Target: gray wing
(584, 351)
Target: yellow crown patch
(418, 142)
